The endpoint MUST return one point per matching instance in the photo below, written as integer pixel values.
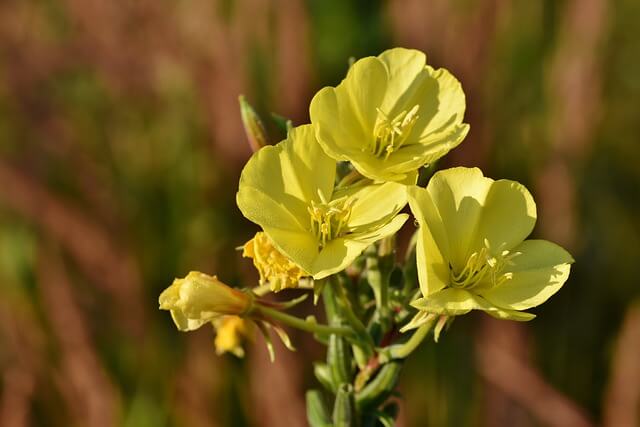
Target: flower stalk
(304, 325)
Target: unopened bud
(252, 125)
(200, 298)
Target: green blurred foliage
(124, 129)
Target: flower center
(483, 268)
(390, 133)
(329, 220)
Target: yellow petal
(432, 247)
(377, 203)
(459, 195)
(299, 246)
(345, 115)
(456, 302)
(406, 70)
(340, 253)
(508, 216)
(448, 110)
(278, 182)
(537, 273)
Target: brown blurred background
(120, 150)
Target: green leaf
(317, 412)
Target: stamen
(390, 134)
(484, 268)
(328, 221)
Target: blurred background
(120, 149)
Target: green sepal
(253, 126)
(339, 360)
(359, 356)
(323, 375)
(385, 419)
(263, 328)
(380, 388)
(317, 412)
(292, 303)
(283, 124)
(392, 409)
(344, 410)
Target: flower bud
(200, 298)
(252, 125)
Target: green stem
(401, 351)
(261, 290)
(350, 178)
(305, 325)
(352, 319)
(380, 286)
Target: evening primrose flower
(471, 249)
(391, 115)
(200, 298)
(289, 190)
(274, 268)
(231, 332)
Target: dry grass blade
(275, 383)
(500, 365)
(21, 363)
(622, 399)
(90, 396)
(99, 257)
(573, 85)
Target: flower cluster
(329, 199)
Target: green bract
(471, 251)
(289, 190)
(391, 115)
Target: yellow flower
(275, 269)
(471, 250)
(391, 115)
(231, 331)
(200, 298)
(289, 190)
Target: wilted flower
(275, 268)
(200, 298)
(391, 115)
(231, 332)
(472, 252)
(289, 190)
